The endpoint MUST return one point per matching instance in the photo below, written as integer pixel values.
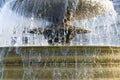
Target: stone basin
(55, 10)
(60, 62)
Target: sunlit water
(62, 63)
(14, 29)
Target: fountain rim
(65, 46)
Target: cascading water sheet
(15, 25)
(29, 57)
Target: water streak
(104, 29)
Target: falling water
(104, 28)
(29, 57)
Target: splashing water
(14, 29)
(34, 62)
(104, 30)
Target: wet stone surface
(56, 35)
(59, 34)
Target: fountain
(40, 40)
(60, 13)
